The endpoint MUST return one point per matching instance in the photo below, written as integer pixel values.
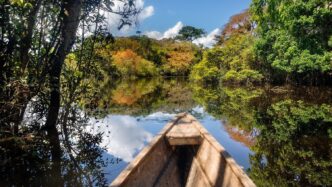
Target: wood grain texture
(184, 134)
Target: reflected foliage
(294, 145)
(288, 129)
(237, 105)
(26, 157)
(141, 97)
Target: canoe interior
(174, 162)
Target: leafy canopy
(190, 33)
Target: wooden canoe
(183, 154)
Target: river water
(280, 136)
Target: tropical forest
(110, 93)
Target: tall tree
(190, 33)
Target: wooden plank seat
(184, 134)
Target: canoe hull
(164, 164)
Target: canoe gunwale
(243, 178)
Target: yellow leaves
(180, 60)
(17, 2)
(71, 61)
(128, 93)
(21, 3)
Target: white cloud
(146, 13)
(169, 33)
(113, 20)
(209, 40)
(153, 34)
(206, 41)
(174, 31)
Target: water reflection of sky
(124, 136)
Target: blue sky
(206, 14)
(161, 19)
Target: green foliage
(21, 3)
(234, 105)
(293, 38)
(245, 76)
(289, 117)
(330, 42)
(190, 33)
(208, 69)
(233, 62)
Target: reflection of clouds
(122, 136)
(198, 110)
(160, 116)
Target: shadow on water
(287, 130)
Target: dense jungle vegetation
(276, 42)
(57, 58)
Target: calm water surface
(281, 136)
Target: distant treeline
(140, 56)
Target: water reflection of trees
(235, 105)
(289, 130)
(294, 145)
(38, 156)
(292, 128)
(143, 96)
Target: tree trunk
(70, 17)
(27, 39)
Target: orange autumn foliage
(128, 63)
(179, 62)
(180, 57)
